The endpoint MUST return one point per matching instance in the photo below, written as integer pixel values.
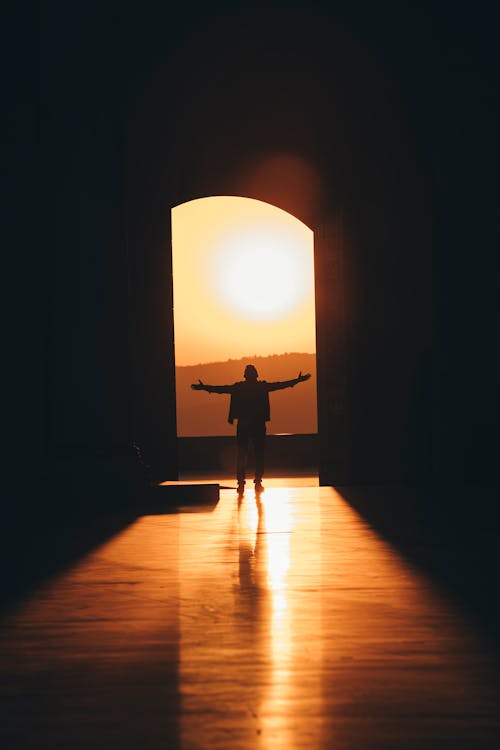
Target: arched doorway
(243, 291)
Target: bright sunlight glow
(243, 280)
(263, 272)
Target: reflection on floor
(279, 622)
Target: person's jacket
(250, 398)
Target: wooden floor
(286, 623)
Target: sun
(263, 271)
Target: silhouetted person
(250, 407)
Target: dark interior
(390, 128)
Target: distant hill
(205, 414)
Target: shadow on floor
(42, 546)
(444, 533)
(40, 537)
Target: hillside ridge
(293, 410)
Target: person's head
(251, 373)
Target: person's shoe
(241, 488)
(259, 487)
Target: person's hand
(301, 377)
(198, 386)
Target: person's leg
(241, 460)
(259, 437)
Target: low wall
(292, 452)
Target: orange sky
(243, 275)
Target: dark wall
(216, 118)
(394, 115)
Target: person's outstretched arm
(278, 386)
(199, 386)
